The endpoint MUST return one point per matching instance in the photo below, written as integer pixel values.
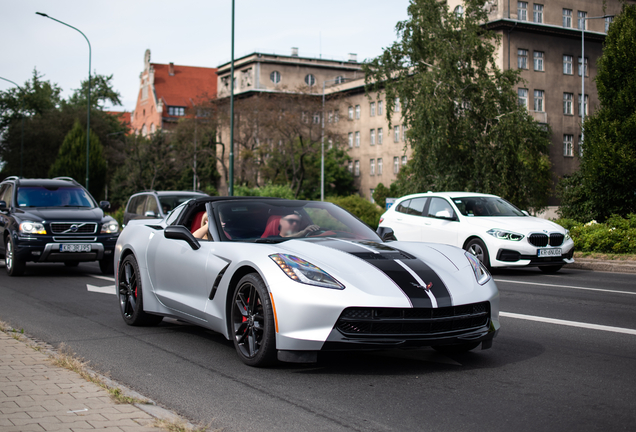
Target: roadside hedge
(365, 210)
(616, 235)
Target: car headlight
(32, 228)
(505, 235)
(305, 272)
(481, 272)
(567, 235)
(110, 227)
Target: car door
(182, 277)
(408, 222)
(440, 222)
(131, 209)
(4, 220)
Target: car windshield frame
(248, 221)
(485, 206)
(41, 196)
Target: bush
(268, 190)
(118, 215)
(366, 211)
(616, 235)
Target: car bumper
(47, 249)
(510, 254)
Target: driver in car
(290, 226)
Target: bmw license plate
(556, 252)
(69, 247)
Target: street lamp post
(230, 190)
(22, 134)
(88, 115)
(582, 100)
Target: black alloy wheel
(14, 266)
(131, 295)
(478, 248)
(253, 322)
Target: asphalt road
(564, 360)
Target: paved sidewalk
(595, 264)
(36, 395)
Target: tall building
(167, 91)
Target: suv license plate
(549, 252)
(75, 248)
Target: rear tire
(131, 302)
(478, 248)
(14, 266)
(550, 269)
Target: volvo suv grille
(73, 227)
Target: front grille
(73, 227)
(538, 240)
(410, 322)
(556, 239)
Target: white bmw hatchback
(489, 227)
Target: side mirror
(522, 211)
(104, 205)
(150, 214)
(179, 232)
(386, 234)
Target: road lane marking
(110, 289)
(565, 286)
(568, 323)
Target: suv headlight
(481, 272)
(305, 272)
(110, 227)
(505, 235)
(32, 228)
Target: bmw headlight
(32, 228)
(305, 272)
(505, 235)
(567, 235)
(481, 273)
(110, 227)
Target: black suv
(156, 204)
(54, 220)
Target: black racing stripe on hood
(384, 261)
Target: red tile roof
(123, 116)
(189, 85)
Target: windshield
(276, 221)
(40, 196)
(486, 206)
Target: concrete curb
(613, 266)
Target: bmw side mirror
(104, 205)
(179, 232)
(150, 213)
(386, 234)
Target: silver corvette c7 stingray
(323, 282)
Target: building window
(403, 160)
(330, 117)
(310, 80)
(350, 139)
(379, 166)
(538, 100)
(351, 167)
(371, 192)
(567, 65)
(584, 104)
(275, 77)
(567, 18)
(567, 145)
(522, 11)
(357, 111)
(336, 116)
(581, 20)
(396, 133)
(152, 128)
(522, 59)
(372, 167)
(608, 21)
(372, 135)
(356, 168)
(396, 165)
(316, 117)
(523, 97)
(537, 14)
(339, 80)
(143, 130)
(350, 113)
(397, 104)
(459, 11)
(538, 61)
(567, 103)
(586, 69)
(372, 109)
(358, 139)
(379, 136)
(379, 108)
(176, 111)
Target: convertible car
(329, 283)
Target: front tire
(478, 248)
(252, 322)
(14, 266)
(550, 269)
(131, 302)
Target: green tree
(102, 91)
(465, 126)
(606, 184)
(71, 160)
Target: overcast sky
(185, 32)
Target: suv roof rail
(71, 179)
(12, 178)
